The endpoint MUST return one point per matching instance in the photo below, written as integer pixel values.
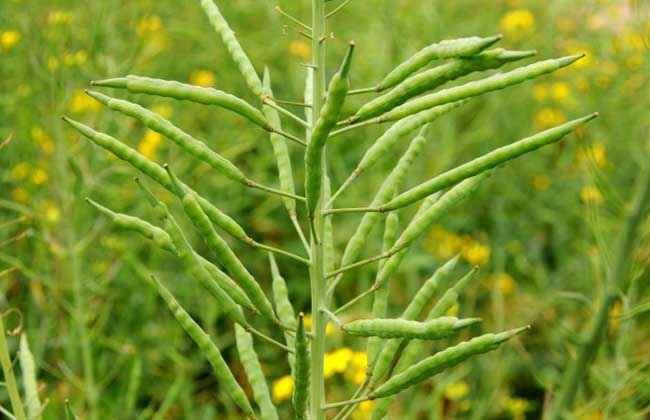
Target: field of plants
(325, 209)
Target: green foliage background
(549, 220)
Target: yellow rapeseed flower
(81, 103)
(150, 143)
(20, 195)
(540, 92)
(357, 368)
(456, 391)
(52, 63)
(329, 329)
(476, 253)
(517, 407)
(8, 39)
(560, 91)
(547, 118)
(59, 17)
(595, 153)
(506, 283)
(363, 411)
(518, 23)
(337, 361)
(43, 140)
(164, 111)
(541, 182)
(634, 61)
(148, 25)
(50, 212)
(300, 49)
(590, 194)
(21, 170)
(204, 78)
(39, 176)
(282, 388)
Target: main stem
(317, 270)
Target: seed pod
(479, 87)
(185, 92)
(485, 162)
(301, 371)
(232, 44)
(226, 256)
(255, 375)
(328, 231)
(390, 185)
(380, 297)
(336, 94)
(280, 149)
(28, 369)
(441, 361)
(158, 174)
(442, 327)
(450, 48)
(283, 306)
(188, 143)
(424, 295)
(437, 76)
(189, 259)
(381, 147)
(163, 241)
(208, 348)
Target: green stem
(317, 269)
(10, 379)
(618, 281)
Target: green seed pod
(188, 143)
(450, 48)
(442, 327)
(437, 76)
(380, 298)
(328, 231)
(189, 259)
(280, 149)
(301, 371)
(232, 44)
(226, 256)
(424, 295)
(255, 375)
(163, 241)
(404, 128)
(158, 174)
(479, 87)
(484, 163)
(441, 361)
(28, 369)
(390, 185)
(336, 94)
(283, 306)
(209, 350)
(185, 92)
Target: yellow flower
(634, 62)
(81, 103)
(204, 78)
(52, 63)
(476, 253)
(164, 111)
(363, 411)
(148, 25)
(282, 388)
(20, 171)
(561, 91)
(300, 49)
(59, 17)
(541, 182)
(43, 140)
(547, 118)
(456, 391)
(518, 23)
(39, 176)
(540, 92)
(8, 39)
(453, 311)
(517, 407)
(20, 195)
(50, 212)
(357, 368)
(595, 415)
(595, 153)
(574, 49)
(591, 195)
(506, 283)
(337, 361)
(150, 144)
(615, 315)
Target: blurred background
(542, 229)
